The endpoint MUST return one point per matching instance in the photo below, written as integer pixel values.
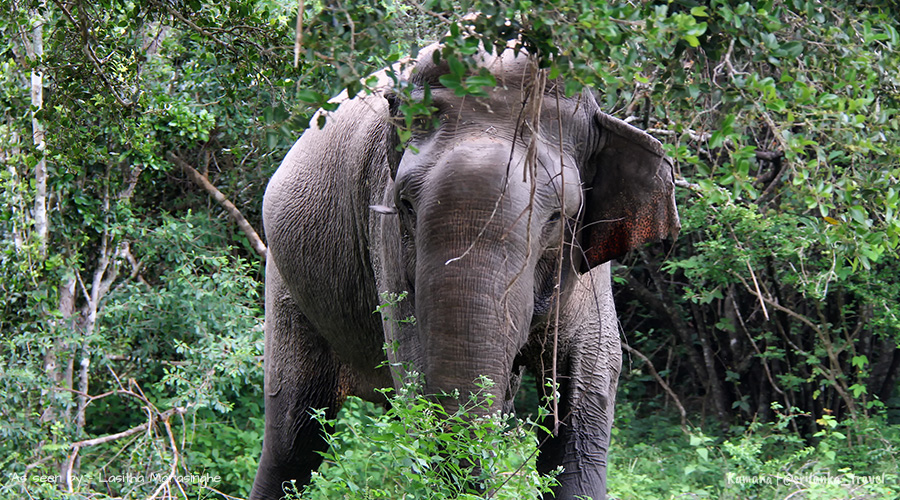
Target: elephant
(498, 217)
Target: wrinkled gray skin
(470, 225)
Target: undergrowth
(653, 458)
(417, 450)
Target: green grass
(652, 458)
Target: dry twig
(255, 241)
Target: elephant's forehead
(510, 67)
(508, 64)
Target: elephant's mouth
(542, 306)
(546, 279)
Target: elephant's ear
(630, 196)
(393, 152)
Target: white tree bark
(41, 224)
(35, 50)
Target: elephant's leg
(589, 373)
(301, 373)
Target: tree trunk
(716, 391)
(36, 53)
(34, 48)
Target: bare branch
(762, 359)
(153, 416)
(832, 356)
(125, 252)
(174, 448)
(695, 136)
(683, 183)
(726, 61)
(226, 497)
(206, 33)
(661, 382)
(191, 24)
(112, 437)
(229, 207)
(762, 302)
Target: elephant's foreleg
(589, 372)
(580, 448)
(302, 373)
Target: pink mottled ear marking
(630, 200)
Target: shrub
(417, 450)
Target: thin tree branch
(763, 360)
(174, 448)
(89, 51)
(661, 382)
(206, 33)
(832, 357)
(112, 437)
(298, 41)
(762, 303)
(229, 207)
(682, 183)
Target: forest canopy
(137, 139)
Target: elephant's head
(502, 202)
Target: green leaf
(451, 81)
(310, 96)
(457, 68)
(483, 80)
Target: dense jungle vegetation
(137, 137)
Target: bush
(417, 450)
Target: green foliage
(228, 446)
(140, 295)
(193, 337)
(202, 316)
(783, 117)
(651, 458)
(416, 449)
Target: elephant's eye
(407, 217)
(550, 231)
(407, 206)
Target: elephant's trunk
(469, 328)
(474, 295)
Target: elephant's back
(316, 218)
